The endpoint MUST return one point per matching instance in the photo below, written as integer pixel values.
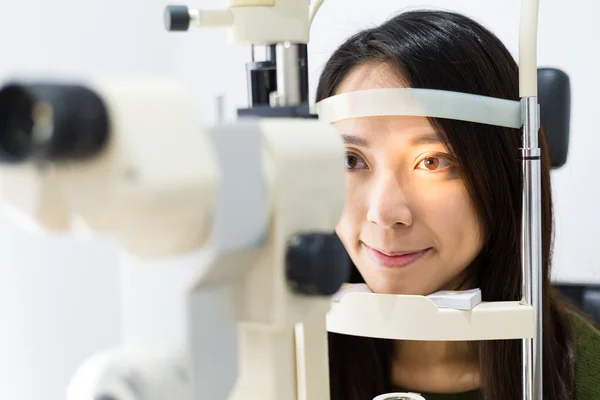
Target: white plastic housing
(33, 198)
(528, 31)
(399, 396)
(132, 373)
(258, 22)
(152, 189)
(406, 317)
(282, 337)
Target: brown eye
(433, 163)
(353, 161)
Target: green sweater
(587, 365)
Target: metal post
(531, 247)
(288, 75)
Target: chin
(386, 288)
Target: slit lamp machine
(261, 196)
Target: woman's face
(408, 224)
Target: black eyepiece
(51, 122)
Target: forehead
(384, 125)
(375, 76)
(371, 76)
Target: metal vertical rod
(288, 74)
(531, 247)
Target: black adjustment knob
(177, 18)
(316, 264)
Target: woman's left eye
(434, 163)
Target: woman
(435, 204)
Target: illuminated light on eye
(434, 163)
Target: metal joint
(529, 154)
(530, 115)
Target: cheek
(447, 211)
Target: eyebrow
(355, 141)
(429, 138)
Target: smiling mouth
(397, 259)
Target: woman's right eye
(353, 161)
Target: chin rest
(554, 98)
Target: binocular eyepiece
(51, 123)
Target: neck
(435, 367)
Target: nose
(388, 205)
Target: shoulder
(586, 337)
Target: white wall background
(59, 296)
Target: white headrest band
(420, 102)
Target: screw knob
(316, 264)
(177, 18)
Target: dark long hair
(448, 51)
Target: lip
(395, 259)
